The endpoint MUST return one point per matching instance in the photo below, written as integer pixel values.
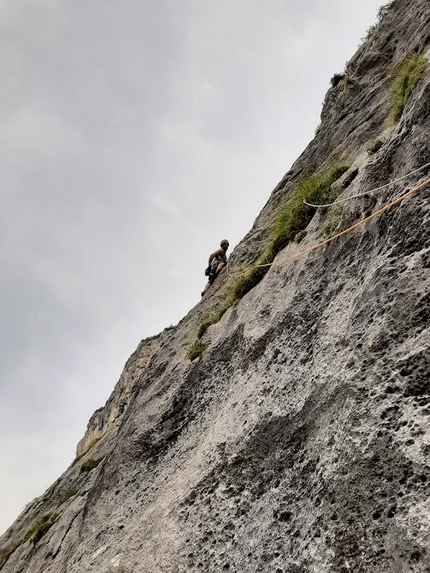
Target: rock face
(299, 441)
(109, 417)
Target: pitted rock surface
(300, 440)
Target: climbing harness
(398, 200)
(368, 192)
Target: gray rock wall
(300, 440)
(109, 417)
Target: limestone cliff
(299, 439)
(108, 418)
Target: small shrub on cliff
(34, 534)
(90, 445)
(249, 279)
(382, 12)
(196, 350)
(214, 318)
(40, 527)
(404, 81)
(89, 465)
(384, 9)
(295, 215)
(67, 495)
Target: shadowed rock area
(299, 440)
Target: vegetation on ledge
(89, 465)
(196, 350)
(33, 535)
(404, 81)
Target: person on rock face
(217, 262)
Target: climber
(217, 262)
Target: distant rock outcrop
(299, 439)
(109, 416)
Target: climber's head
(224, 244)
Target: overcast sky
(134, 135)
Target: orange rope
(405, 196)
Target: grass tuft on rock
(89, 465)
(40, 527)
(404, 81)
(67, 495)
(213, 319)
(90, 445)
(294, 216)
(196, 350)
(34, 535)
(248, 280)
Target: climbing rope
(371, 190)
(405, 196)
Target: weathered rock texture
(108, 418)
(300, 440)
